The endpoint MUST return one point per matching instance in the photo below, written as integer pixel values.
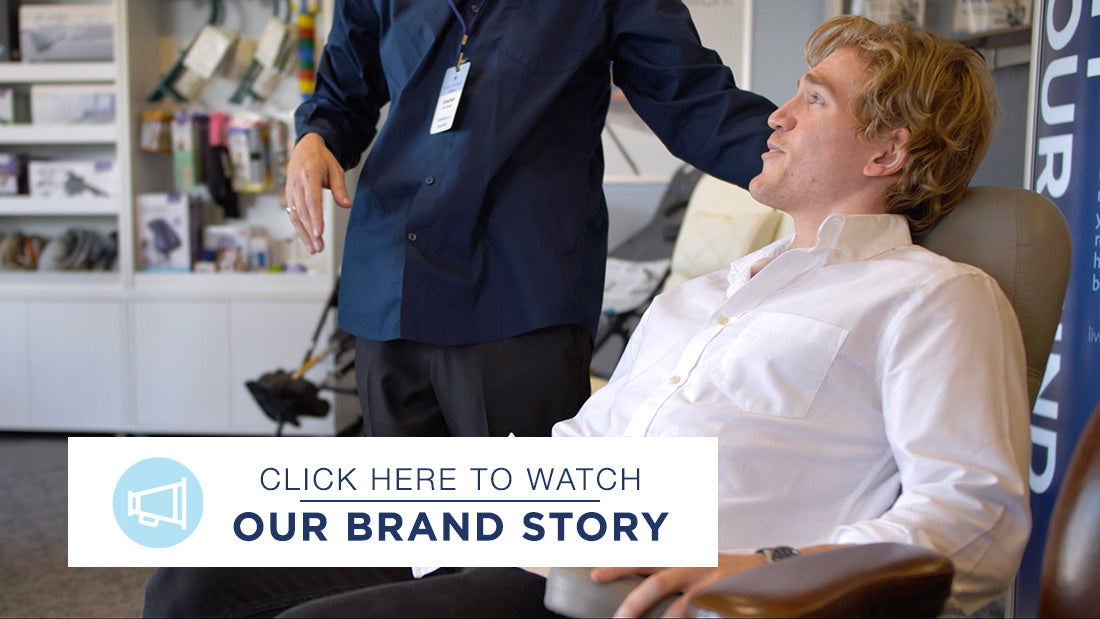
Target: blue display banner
(1065, 167)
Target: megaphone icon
(178, 495)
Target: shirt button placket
(411, 236)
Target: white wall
(722, 27)
(780, 29)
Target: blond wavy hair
(939, 90)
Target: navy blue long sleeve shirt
(498, 226)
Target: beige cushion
(723, 223)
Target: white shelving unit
(24, 206)
(54, 72)
(141, 352)
(59, 134)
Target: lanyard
(467, 29)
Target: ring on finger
(290, 209)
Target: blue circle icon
(158, 502)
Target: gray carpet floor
(34, 578)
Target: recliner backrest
(1022, 240)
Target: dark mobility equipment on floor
(284, 396)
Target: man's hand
(664, 581)
(312, 168)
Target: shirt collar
(840, 238)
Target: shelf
(232, 286)
(27, 206)
(58, 134)
(995, 39)
(41, 72)
(92, 285)
(168, 286)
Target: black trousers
(473, 592)
(344, 592)
(521, 385)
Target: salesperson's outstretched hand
(311, 169)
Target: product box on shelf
(259, 251)
(77, 178)
(13, 105)
(66, 32)
(972, 16)
(72, 103)
(249, 155)
(289, 254)
(189, 131)
(168, 230)
(7, 106)
(230, 245)
(886, 12)
(13, 174)
(9, 30)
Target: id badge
(447, 106)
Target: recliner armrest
(873, 580)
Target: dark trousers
(343, 592)
(472, 592)
(521, 385)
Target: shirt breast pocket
(545, 36)
(778, 363)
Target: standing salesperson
(474, 260)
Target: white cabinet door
(268, 336)
(181, 366)
(15, 394)
(77, 365)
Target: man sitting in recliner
(862, 388)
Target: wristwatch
(777, 553)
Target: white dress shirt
(862, 390)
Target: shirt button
(475, 8)
(723, 320)
(430, 180)
(675, 380)
(411, 236)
